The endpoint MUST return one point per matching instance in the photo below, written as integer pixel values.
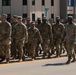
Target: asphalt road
(55, 66)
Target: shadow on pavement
(55, 64)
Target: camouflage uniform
(46, 33)
(33, 38)
(28, 24)
(13, 48)
(58, 31)
(38, 48)
(70, 40)
(20, 35)
(5, 38)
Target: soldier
(46, 33)
(38, 22)
(51, 22)
(38, 48)
(24, 21)
(13, 24)
(5, 35)
(58, 31)
(70, 39)
(33, 38)
(28, 22)
(21, 37)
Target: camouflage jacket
(20, 32)
(70, 30)
(58, 31)
(34, 35)
(5, 30)
(46, 31)
(13, 24)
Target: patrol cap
(24, 19)
(50, 19)
(4, 16)
(19, 17)
(33, 23)
(57, 17)
(14, 16)
(28, 19)
(70, 17)
(44, 18)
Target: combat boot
(20, 60)
(43, 57)
(23, 58)
(74, 59)
(7, 61)
(69, 60)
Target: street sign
(46, 11)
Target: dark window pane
(52, 2)
(33, 2)
(43, 2)
(52, 15)
(33, 17)
(24, 2)
(6, 2)
(24, 15)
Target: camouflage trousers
(31, 47)
(5, 50)
(45, 46)
(13, 49)
(70, 49)
(19, 47)
(58, 45)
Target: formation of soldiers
(20, 38)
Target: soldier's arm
(64, 34)
(39, 36)
(26, 34)
(50, 33)
(63, 31)
(9, 31)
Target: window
(43, 2)
(33, 2)
(33, 17)
(24, 15)
(6, 2)
(52, 15)
(24, 2)
(52, 2)
(42, 15)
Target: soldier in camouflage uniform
(70, 39)
(33, 38)
(24, 21)
(5, 35)
(28, 22)
(58, 31)
(46, 33)
(38, 48)
(21, 36)
(13, 48)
